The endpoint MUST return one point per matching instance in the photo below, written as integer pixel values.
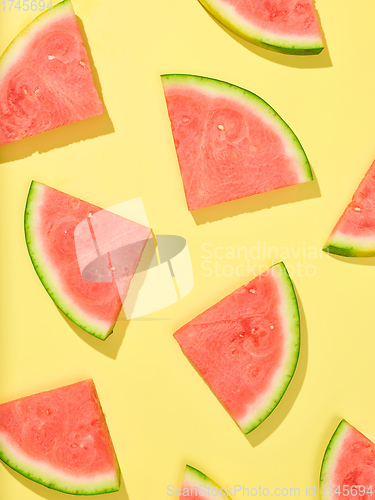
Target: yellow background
(160, 413)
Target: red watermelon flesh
(60, 439)
(354, 233)
(90, 296)
(45, 77)
(289, 26)
(230, 143)
(246, 346)
(349, 461)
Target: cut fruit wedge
(286, 26)
(229, 142)
(84, 256)
(348, 465)
(354, 233)
(45, 77)
(246, 346)
(60, 439)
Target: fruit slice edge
(248, 413)
(195, 481)
(238, 24)
(52, 477)
(288, 149)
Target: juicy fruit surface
(45, 77)
(230, 144)
(197, 485)
(285, 25)
(282, 17)
(349, 460)
(245, 337)
(59, 438)
(354, 233)
(51, 221)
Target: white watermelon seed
(357, 209)
(113, 269)
(221, 127)
(82, 63)
(51, 58)
(252, 290)
(272, 327)
(185, 119)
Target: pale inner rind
(229, 14)
(42, 472)
(282, 376)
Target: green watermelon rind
(197, 477)
(293, 349)
(347, 246)
(331, 453)
(292, 46)
(53, 480)
(45, 275)
(17, 45)
(245, 96)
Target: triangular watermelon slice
(198, 486)
(354, 233)
(288, 26)
(45, 77)
(348, 468)
(65, 236)
(230, 143)
(246, 346)
(60, 438)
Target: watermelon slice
(198, 486)
(246, 346)
(57, 226)
(45, 77)
(348, 468)
(288, 26)
(60, 439)
(354, 233)
(229, 142)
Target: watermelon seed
(82, 63)
(37, 91)
(185, 119)
(221, 127)
(24, 90)
(272, 327)
(252, 290)
(90, 214)
(357, 209)
(113, 269)
(51, 58)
